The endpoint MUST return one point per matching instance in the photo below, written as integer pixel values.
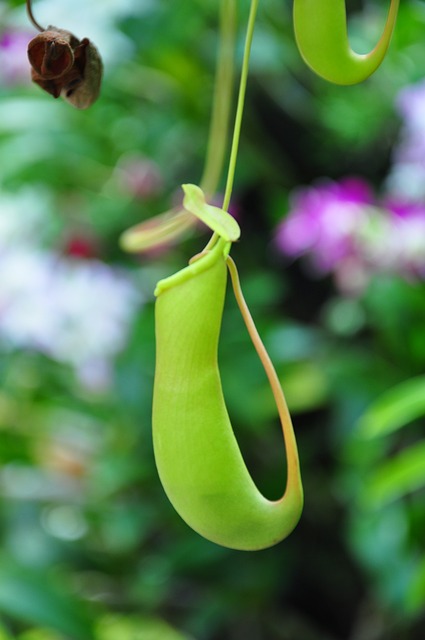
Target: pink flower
(322, 221)
(14, 66)
(342, 230)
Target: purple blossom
(14, 65)
(322, 220)
(401, 208)
(344, 230)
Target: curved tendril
(321, 35)
(293, 472)
(31, 16)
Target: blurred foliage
(91, 548)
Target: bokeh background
(330, 195)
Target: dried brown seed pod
(65, 66)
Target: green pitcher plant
(197, 455)
(321, 34)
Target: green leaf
(396, 477)
(33, 597)
(215, 218)
(394, 409)
(136, 628)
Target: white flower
(77, 312)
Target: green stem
(240, 105)
(222, 100)
(238, 117)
